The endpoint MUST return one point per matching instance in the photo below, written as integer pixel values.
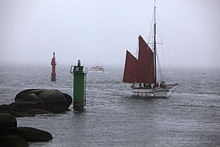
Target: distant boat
(142, 71)
(97, 69)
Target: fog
(100, 31)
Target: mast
(155, 47)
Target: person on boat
(152, 86)
(140, 86)
(133, 86)
(147, 86)
(163, 84)
(157, 84)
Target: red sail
(130, 68)
(145, 67)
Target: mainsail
(145, 66)
(140, 70)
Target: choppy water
(190, 117)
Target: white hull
(155, 92)
(97, 69)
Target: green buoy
(79, 87)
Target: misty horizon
(99, 33)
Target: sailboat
(141, 71)
(97, 69)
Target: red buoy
(53, 63)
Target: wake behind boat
(142, 71)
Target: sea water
(113, 117)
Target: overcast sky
(100, 31)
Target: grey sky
(100, 31)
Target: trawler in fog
(97, 69)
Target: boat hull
(157, 92)
(97, 69)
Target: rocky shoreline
(13, 136)
(37, 101)
(29, 103)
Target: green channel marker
(78, 87)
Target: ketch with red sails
(142, 71)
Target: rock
(37, 111)
(28, 112)
(7, 120)
(22, 106)
(21, 114)
(21, 109)
(34, 135)
(4, 108)
(68, 99)
(50, 100)
(38, 101)
(29, 134)
(8, 131)
(13, 136)
(12, 141)
(26, 95)
(54, 101)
